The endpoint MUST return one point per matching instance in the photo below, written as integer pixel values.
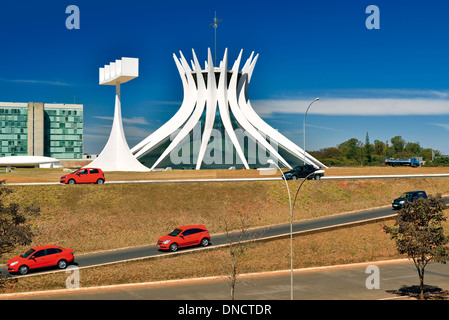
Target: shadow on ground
(413, 292)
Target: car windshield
(406, 195)
(27, 254)
(303, 167)
(76, 171)
(175, 232)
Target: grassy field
(91, 218)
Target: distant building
(41, 129)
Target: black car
(304, 171)
(408, 197)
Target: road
(439, 175)
(142, 252)
(329, 283)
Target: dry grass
(91, 218)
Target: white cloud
(443, 125)
(133, 120)
(355, 107)
(45, 82)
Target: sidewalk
(344, 282)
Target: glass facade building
(63, 132)
(51, 130)
(13, 129)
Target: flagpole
(215, 25)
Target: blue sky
(387, 82)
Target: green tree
(368, 149)
(397, 144)
(15, 227)
(419, 233)
(413, 148)
(379, 147)
(350, 148)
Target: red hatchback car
(89, 175)
(185, 236)
(41, 257)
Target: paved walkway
(328, 283)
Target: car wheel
(23, 270)
(71, 181)
(173, 247)
(62, 264)
(317, 177)
(100, 181)
(294, 178)
(205, 242)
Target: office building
(41, 129)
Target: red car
(185, 236)
(90, 175)
(40, 257)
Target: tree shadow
(413, 292)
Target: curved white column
(264, 127)
(177, 120)
(211, 109)
(223, 104)
(194, 119)
(243, 121)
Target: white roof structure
(216, 100)
(116, 155)
(30, 161)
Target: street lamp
(271, 161)
(305, 115)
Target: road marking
(135, 295)
(387, 279)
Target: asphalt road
(262, 178)
(141, 252)
(222, 239)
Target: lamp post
(305, 115)
(291, 227)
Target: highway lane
(276, 231)
(256, 234)
(223, 239)
(262, 178)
